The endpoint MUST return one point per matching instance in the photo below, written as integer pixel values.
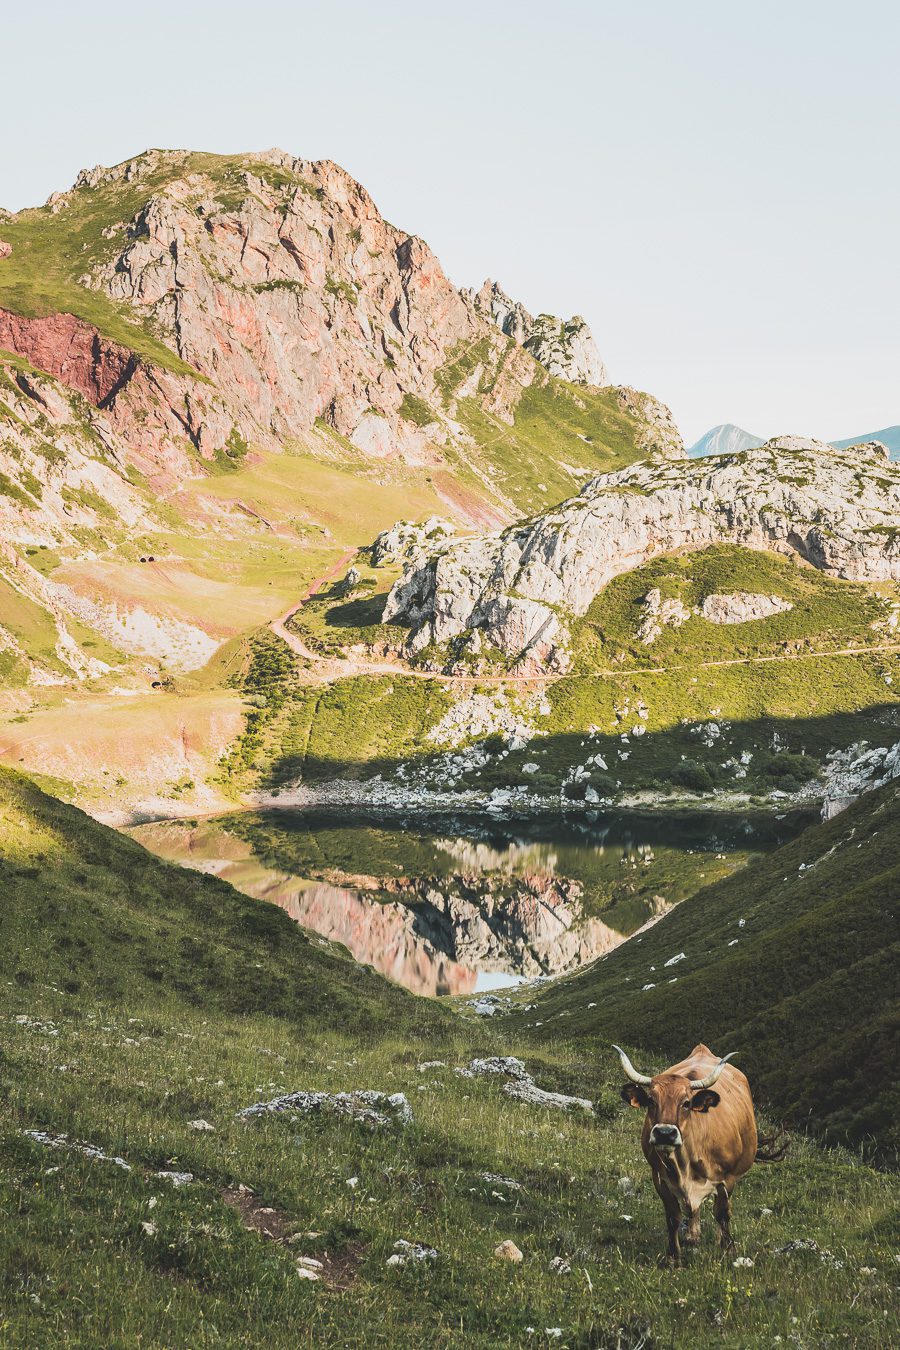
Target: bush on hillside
(694, 775)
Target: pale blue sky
(713, 184)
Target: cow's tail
(772, 1148)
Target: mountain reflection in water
(442, 906)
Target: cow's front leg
(722, 1211)
(691, 1234)
(673, 1222)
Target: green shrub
(691, 774)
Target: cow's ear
(703, 1100)
(634, 1095)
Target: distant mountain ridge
(889, 436)
(728, 439)
(725, 439)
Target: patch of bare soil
(336, 1270)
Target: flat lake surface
(460, 904)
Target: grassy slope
(826, 613)
(557, 428)
(192, 1001)
(806, 988)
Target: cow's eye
(686, 1104)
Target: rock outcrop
(741, 607)
(565, 347)
(657, 614)
(511, 317)
(858, 769)
(837, 510)
(407, 539)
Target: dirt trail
(324, 669)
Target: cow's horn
(630, 1070)
(712, 1077)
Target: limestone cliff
(837, 510)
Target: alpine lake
(464, 904)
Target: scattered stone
(310, 1263)
(810, 1245)
(742, 1262)
(532, 1095)
(560, 1266)
(493, 1180)
(149, 1227)
(521, 1085)
(176, 1178)
(405, 1252)
(508, 1251)
(306, 1274)
(51, 1140)
(506, 1066)
(202, 1125)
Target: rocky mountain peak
(251, 297)
(564, 347)
(511, 317)
(567, 349)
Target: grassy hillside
(559, 433)
(136, 998)
(89, 914)
(795, 962)
(826, 613)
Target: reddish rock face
(72, 351)
(5, 249)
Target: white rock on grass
(365, 1106)
(176, 1178)
(411, 1252)
(521, 1086)
(508, 1251)
(52, 1140)
(741, 607)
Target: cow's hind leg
(722, 1211)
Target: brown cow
(698, 1142)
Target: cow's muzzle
(665, 1136)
